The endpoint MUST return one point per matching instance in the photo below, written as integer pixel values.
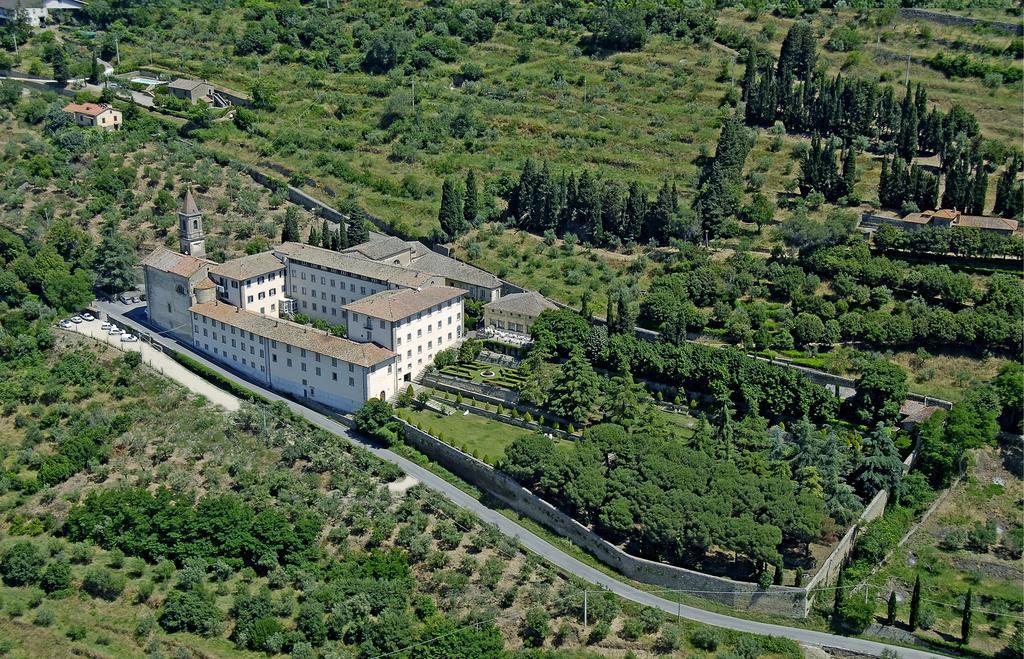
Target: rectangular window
(351, 368)
(351, 382)
(318, 371)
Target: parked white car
(129, 338)
(65, 324)
(76, 319)
(106, 325)
(88, 317)
(115, 330)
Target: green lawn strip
(471, 433)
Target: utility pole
(585, 608)
(117, 50)
(908, 69)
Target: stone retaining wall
(953, 19)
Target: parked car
(124, 299)
(88, 317)
(105, 326)
(65, 324)
(128, 338)
(135, 299)
(115, 330)
(76, 319)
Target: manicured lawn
(480, 437)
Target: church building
(399, 311)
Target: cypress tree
(890, 618)
(470, 205)
(355, 227)
(915, 605)
(543, 203)
(906, 141)
(612, 210)
(325, 235)
(95, 71)
(585, 310)
(798, 55)
(849, 174)
(965, 621)
(290, 231)
(884, 191)
(450, 214)
(636, 212)
(567, 212)
(314, 236)
(837, 603)
(588, 215)
(979, 189)
(777, 577)
(520, 204)
(1009, 201)
(59, 61)
(958, 191)
(718, 197)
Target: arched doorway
(383, 396)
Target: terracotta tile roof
(88, 109)
(300, 336)
(527, 304)
(454, 270)
(986, 222)
(184, 83)
(946, 214)
(248, 266)
(375, 250)
(165, 260)
(204, 284)
(396, 304)
(356, 265)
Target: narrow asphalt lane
(525, 537)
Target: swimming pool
(148, 81)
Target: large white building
(401, 304)
(36, 12)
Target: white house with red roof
(99, 115)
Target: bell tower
(190, 227)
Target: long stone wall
(777, 600)
(953, 19)
(829, 570)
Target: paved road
(525, 537)
(161, 362)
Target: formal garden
(485, 373)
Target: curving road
(525, 537)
